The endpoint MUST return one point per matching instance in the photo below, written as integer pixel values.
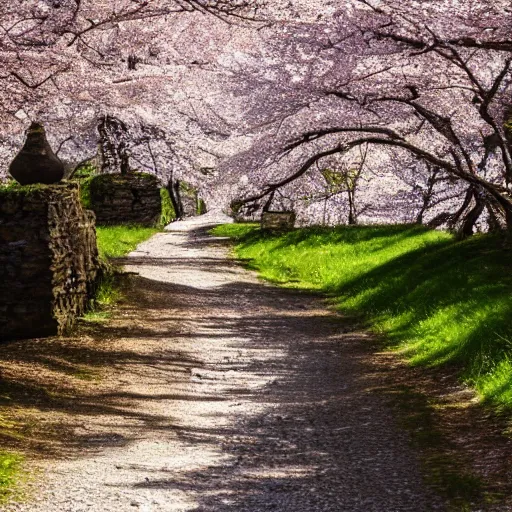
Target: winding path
(244, 397)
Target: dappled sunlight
(228, 395)
(438, 301)
(225, 394)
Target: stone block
(278, 221)
(132, 198)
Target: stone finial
(36, 162)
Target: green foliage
(201, 206)
(13, 187)
(168, 213)
(340, 180)
(84, 176)
(85, 171)
(9, 471)
(9, 185)
(438, 300)
(118, 241)
(85, 192)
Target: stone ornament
(36, 162)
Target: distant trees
(433, 81)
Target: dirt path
(227, 394)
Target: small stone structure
(48, 259)
(132, 198)
(278, 221)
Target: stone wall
(48, 260)
(132, 198)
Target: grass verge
(437, 300)
(10, 469)
(113, 242)
(118, 241)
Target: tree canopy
(367, 109)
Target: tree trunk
(459, 213)
(471, 217)
(352, 216)
(113, 145)
(268, 204)
(173, 187)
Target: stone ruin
(278, 221)
(132, 198)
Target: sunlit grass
(118, 241)
(438, 300)
(10, 466)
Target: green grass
(168, 213)
(437, 300)
(10, 468)
(113, 242)
(106, 297)
(118, 241)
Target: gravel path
(242, 397)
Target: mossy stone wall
(132, 198)
(48, 259)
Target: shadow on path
(218, 393)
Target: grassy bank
(113, 242)
(10, 468)
(118, 241)
(438, 300)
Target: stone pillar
(48, 260)
(277, 221)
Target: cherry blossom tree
(430, 80)
(71, 63)
(249, 98)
